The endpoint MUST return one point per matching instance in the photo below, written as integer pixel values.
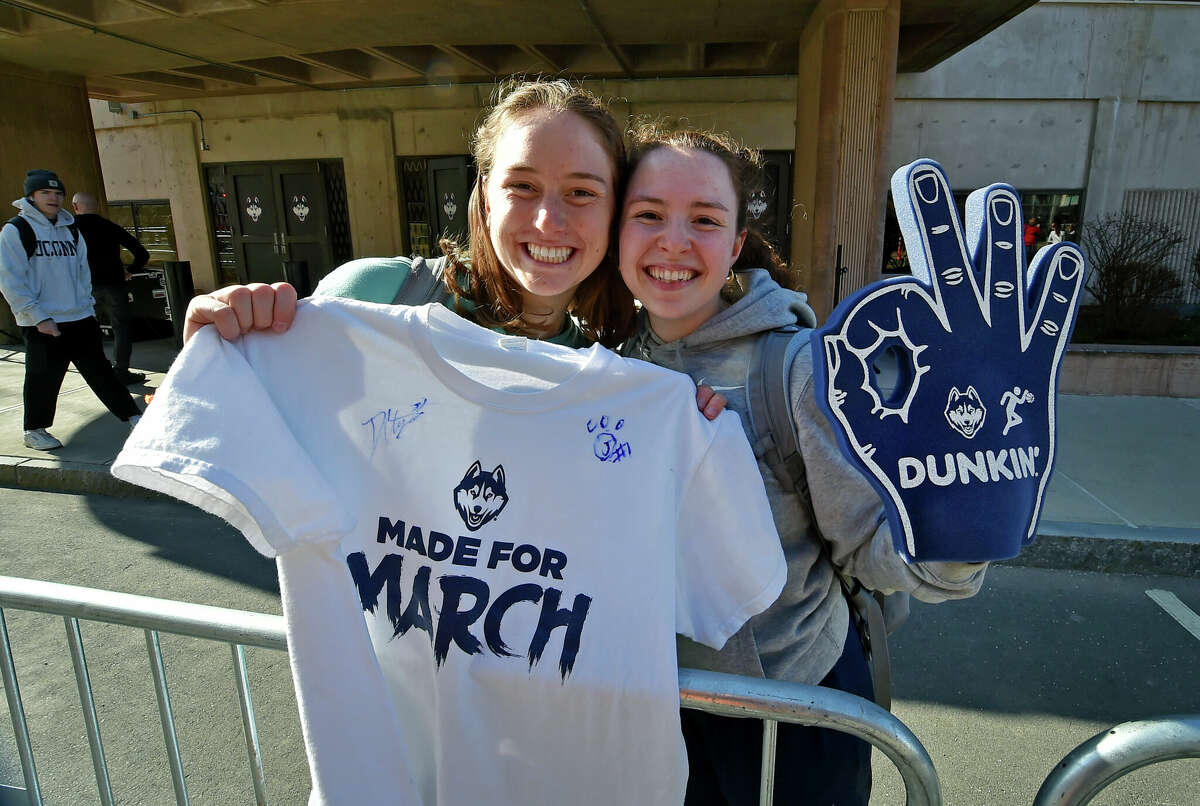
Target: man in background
(109, 275)
(44, 276)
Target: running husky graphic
(480, 495)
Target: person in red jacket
(1033, 231)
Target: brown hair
(602, 303)
(745, 169)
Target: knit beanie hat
(41, 179)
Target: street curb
(1129, 554)
(79, 478)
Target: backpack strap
(29, 237)
(25, 230)
(768, 389)
(424, 282)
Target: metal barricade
(729, 695)
(1111, 754)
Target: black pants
(813, 766)
(113, 301)
(46, 360)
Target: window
(1048, 207)
(150, 223)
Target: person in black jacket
(109, 275)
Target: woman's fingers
(238, 309)
(284, 310)
(710, 403)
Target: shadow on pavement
(186, 536)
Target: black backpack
(29, 238)
(768, 398)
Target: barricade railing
(729, 695)
(1114, 753)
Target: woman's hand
(238, 309)
(709, 402)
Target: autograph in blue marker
(606, 446)
(392, 422)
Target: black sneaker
(128, 377)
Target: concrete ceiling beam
(474, 61)
(386, 55)
(541, 55)
(229, 75)
(353, 63)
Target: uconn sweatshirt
(55, 283)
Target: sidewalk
(1125, 496)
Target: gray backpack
(424, 282)
(768, 398)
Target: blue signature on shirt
(392, 422)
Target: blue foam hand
(962, 444)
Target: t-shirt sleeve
(214, 437)
(368, 279)
(729, 561)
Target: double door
(275, 214)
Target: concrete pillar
(46, 124)
(846, 85)
(370, 166)
(1118, 116)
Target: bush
(1129, 275)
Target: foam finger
(994, 230)
(1056, 280)
(933, 235)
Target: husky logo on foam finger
(480, 495)
(973, 329)
(449, 205)
(965, 411)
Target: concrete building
(247, 109)
(1087, 108)
(250, 132)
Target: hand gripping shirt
(486, 546)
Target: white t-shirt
(526, 527)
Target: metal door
(450, 190)
(255, 223)
(304, 228)
(277, 212)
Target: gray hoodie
(840, 524)
(56, 282)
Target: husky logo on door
(300, 207)
(254, 208)
(449, 205)
(480, 495)
(757, 204)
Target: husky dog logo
(449, 205)
(965, 411)
(481, 495)
(300, 207)
(254, 208)
(757, 204)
